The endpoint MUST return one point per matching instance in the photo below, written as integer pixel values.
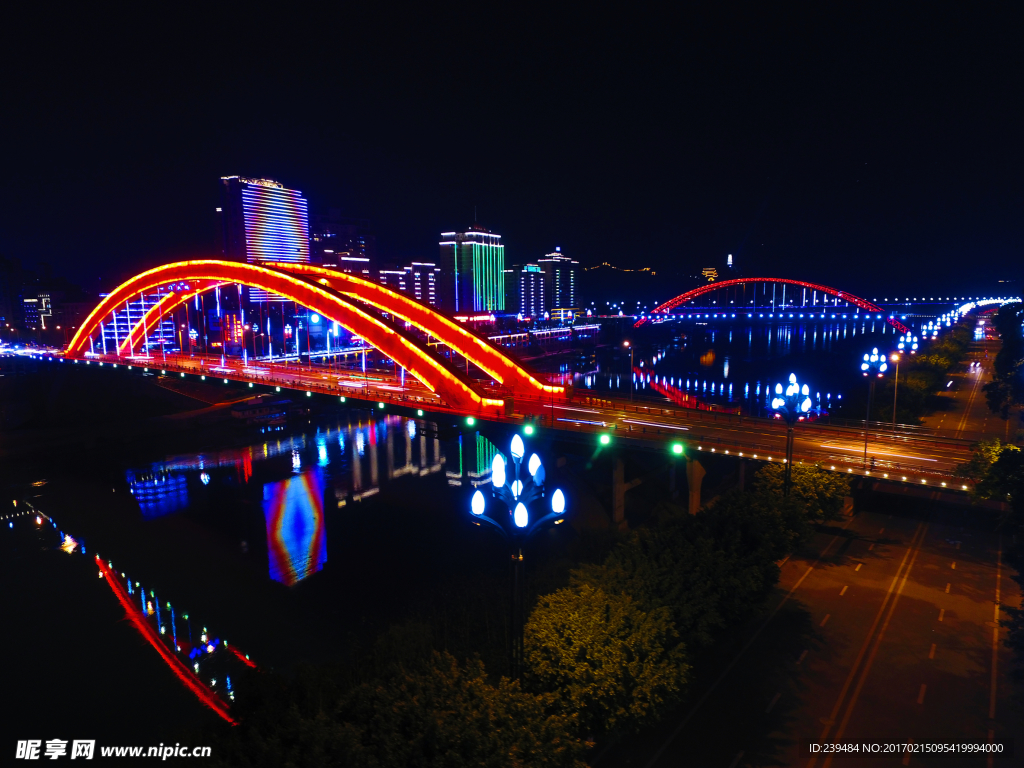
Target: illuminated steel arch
(484, 353)
(711, 287)
(453, 387)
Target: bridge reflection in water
(300, 476)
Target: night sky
(873, 147)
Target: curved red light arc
(711, 287)
(183, 673)
(480, 351)
(456, 390)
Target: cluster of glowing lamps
(517, 490)
(792, 404)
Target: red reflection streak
(681, 398)
(183, 673)
(250, 664)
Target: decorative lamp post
(630, 348)
(517, 490)
(873, 366)
(895, 357)
(791, 404)
(908, 343)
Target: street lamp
(517, 492)
(873, 366)
(791, 404)
(908, 343)
(895, 388)
(628, 346)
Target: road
(967, 413)
(885, 631)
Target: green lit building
(472, 271)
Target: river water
(734, 364)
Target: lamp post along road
(873, 366)
(791, 404)
(630, 347)
(517, 490)
(895, 389)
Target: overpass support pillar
(619, 488)
(694, 474)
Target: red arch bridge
(396, 325)
(382, 318)
(771, 292)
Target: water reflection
(158, 493)
(296, 478)
(704, 360)
(296, 532)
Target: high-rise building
(343, 243)
(472, 271)
(263, 221)
(560, 274)
(420, 279)
(526, 290)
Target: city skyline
(865, 150)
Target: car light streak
(654, 424)
(878, 453)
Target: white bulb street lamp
(517, 490)
(792, 404)
(908, 343)
(873, 366)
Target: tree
(1007, 386)
(605, 659)
(446, 715)
(821, 493)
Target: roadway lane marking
(736, 760)
(947, 588)
(863, 649)
(824, 620)
(743, 650)
(870, 547)
(881, 531)
(953, 566)
(920, 695)
(843, 591)
(858, 566)
(995, 633)
(906, 753)
(916, 548)
(931, 652)
(802, 657)
(942, 612)
(877, 453)
(773, 702)
(967, 408)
